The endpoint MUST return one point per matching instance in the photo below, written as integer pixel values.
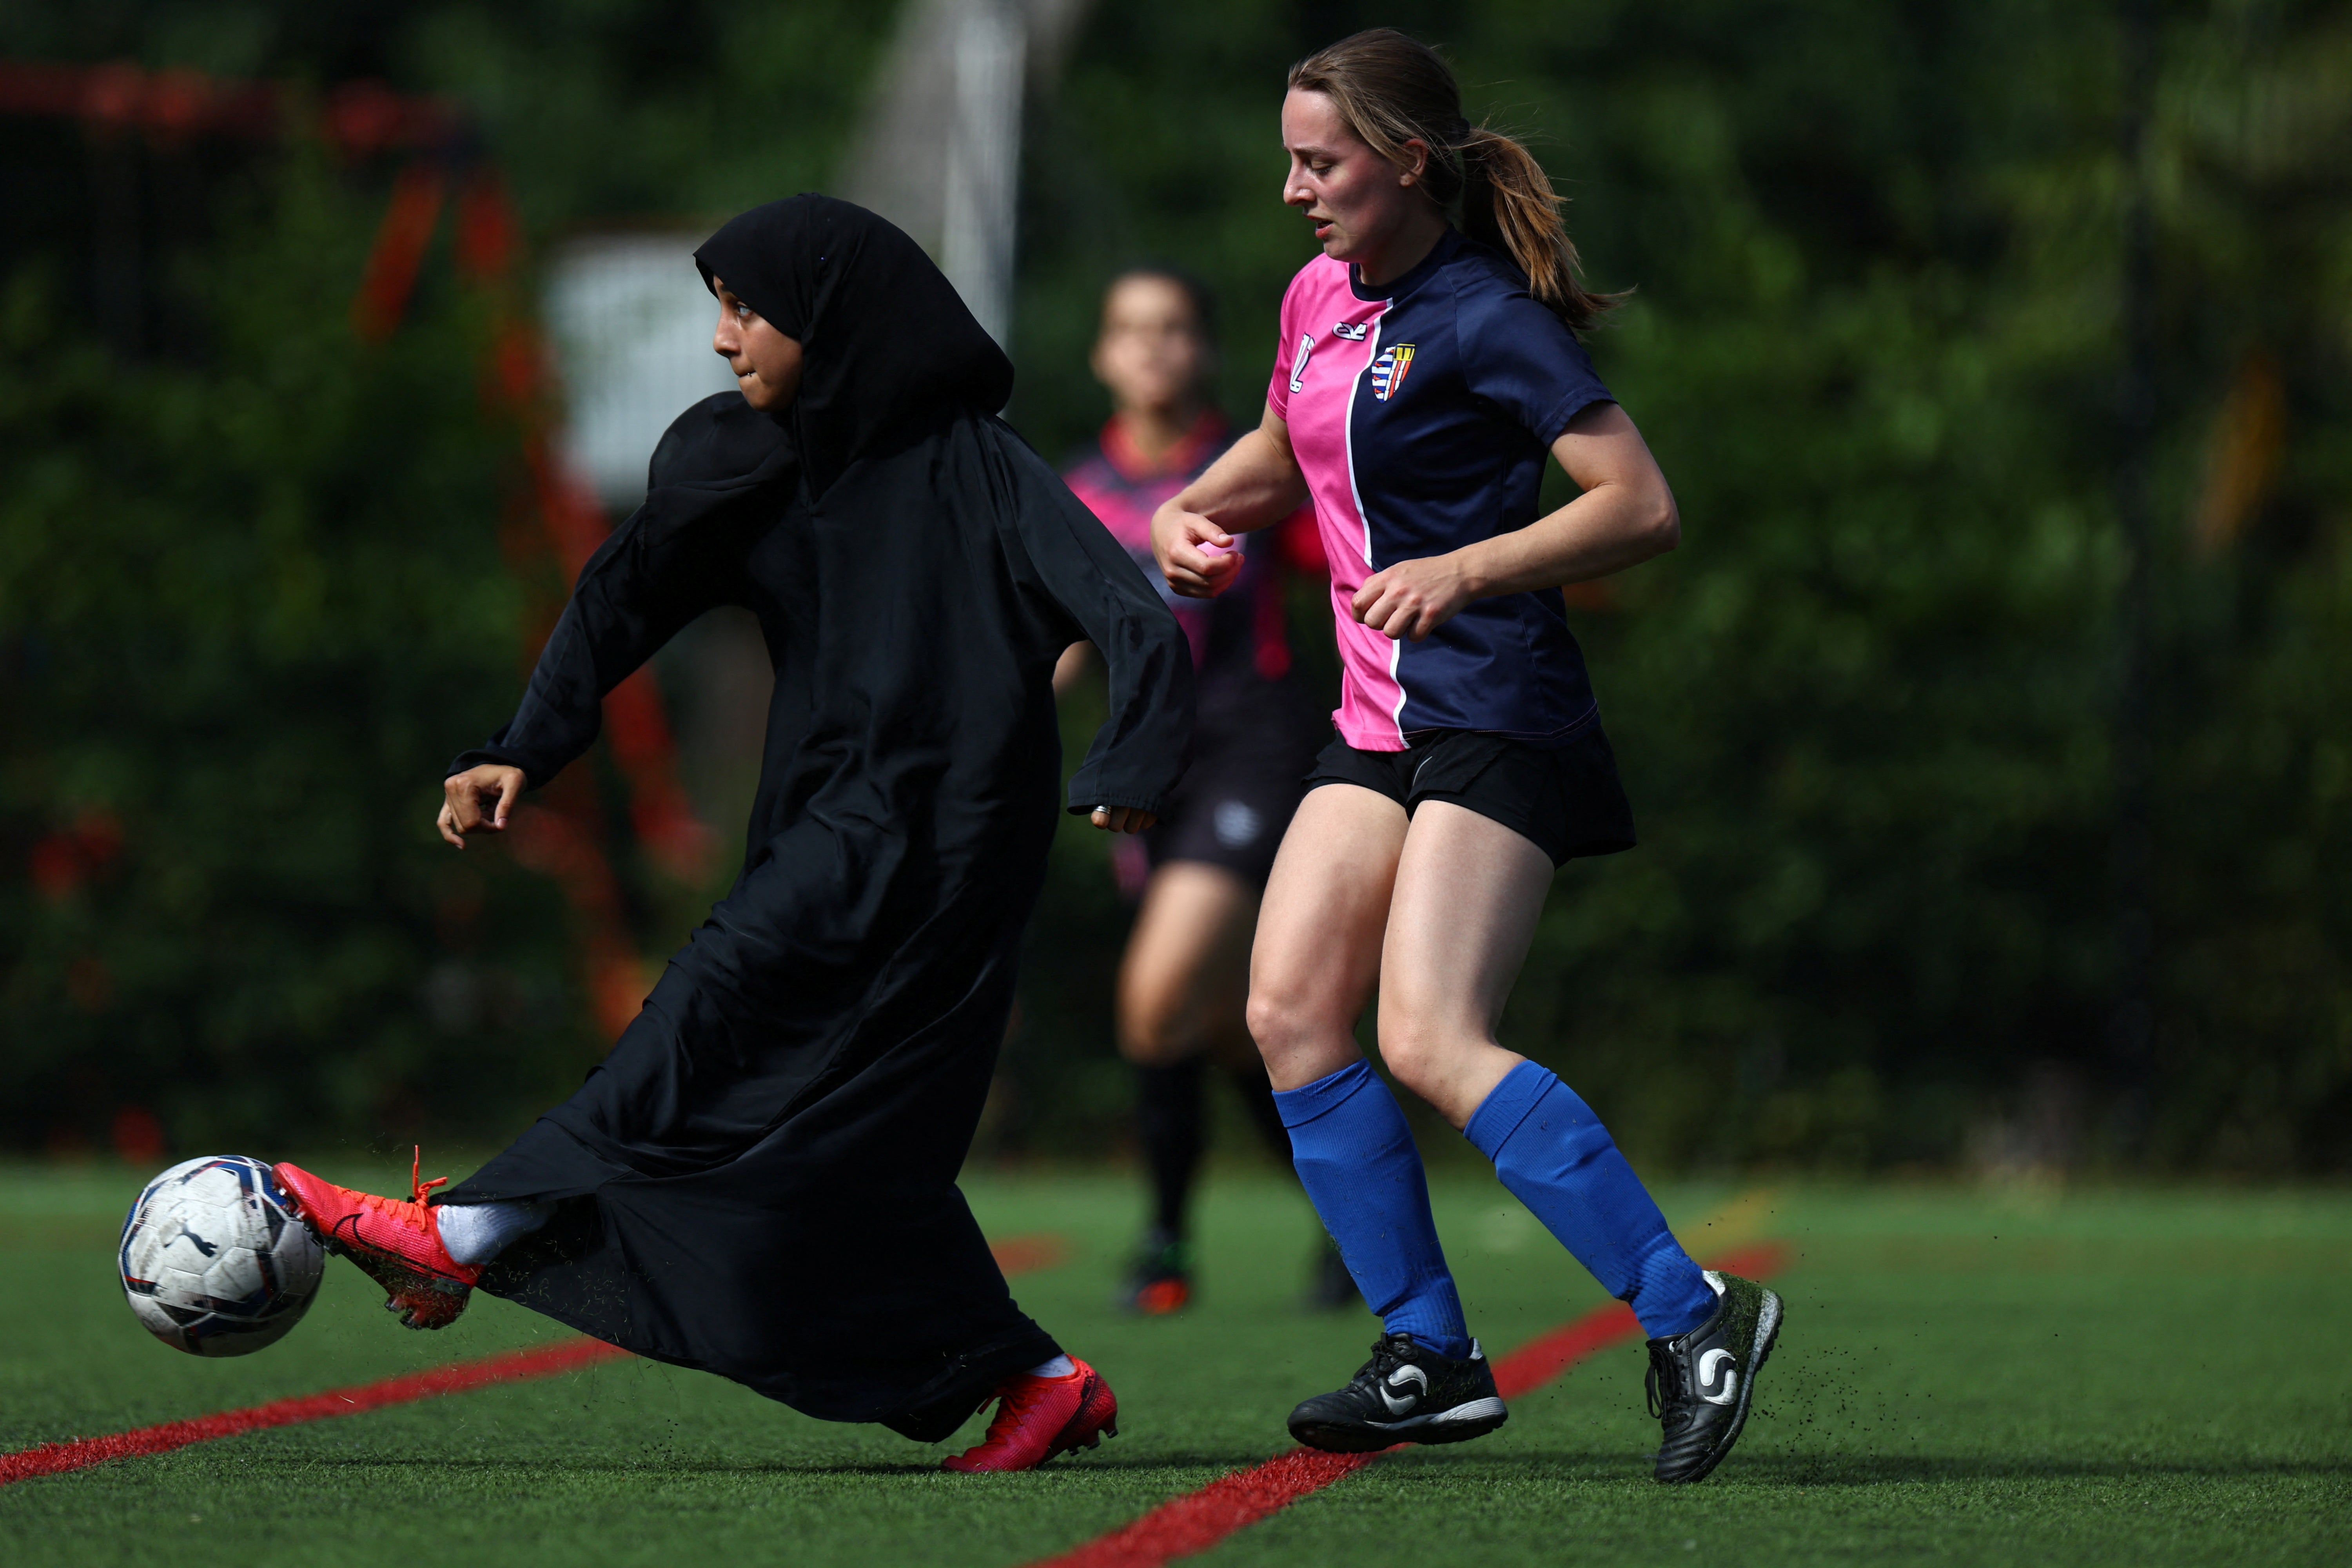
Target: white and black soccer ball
(213, 1261)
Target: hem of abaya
(933, 1418)
(549, 1163)
(962, 1388)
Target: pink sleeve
(1277, 388)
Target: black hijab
(887, 340)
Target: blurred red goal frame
(563, 835)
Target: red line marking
(543, 1361)
(1015, 1255)
(1199, 1520)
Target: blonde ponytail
(1392, 90)
(1508, 203)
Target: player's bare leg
(1316, 959)
(1468, 893)
(1186, 969)
(1317, 953)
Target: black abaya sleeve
(623, 608)
(677, 555)
(1139, 753)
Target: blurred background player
(1184, 977)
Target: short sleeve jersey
(1421, 413)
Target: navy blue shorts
(1566, 800)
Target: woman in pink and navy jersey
(1198, 872)
(1425, 371)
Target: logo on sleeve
(1389, 371)
(1299, 361)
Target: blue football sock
(1357, 1160)
(1554, 1155)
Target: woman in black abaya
(760, 1180)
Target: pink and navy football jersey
(1420, 413)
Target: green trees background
(251, 591)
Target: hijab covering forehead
(887, 340)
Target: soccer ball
(213, 1261)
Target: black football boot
(1404, 1394)
(1700, 1382)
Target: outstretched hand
(464, 809)
(1122, 818)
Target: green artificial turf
(2128, 1377)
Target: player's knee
(1302, 1032)
(1276, 1020)
(1415, 1046)
(1151, 1050)
(1154, 1036)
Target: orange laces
(416, 1172)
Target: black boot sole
(1443, 1428)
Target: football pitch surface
(2128, 1376)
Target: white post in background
(940, 155)
(984, 161)
(631, 324)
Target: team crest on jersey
(1389, 371)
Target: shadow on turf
(1192, 1465)
(1873, 1469)
(1761, 1470)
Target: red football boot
(394, 1241)
(1039, 1417)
